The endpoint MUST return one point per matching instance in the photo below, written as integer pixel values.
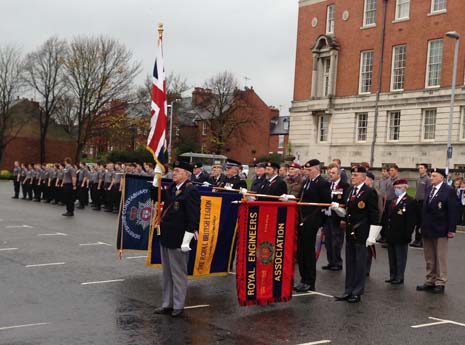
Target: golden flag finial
(160, 30)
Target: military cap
(439, 171)
(358, 169)
(371, 175)
(273, 165)
(198, 165)
(295, 165)
(232, 163)
(312, 163)
(400, 181)
(183, 165)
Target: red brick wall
(414, 32)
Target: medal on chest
(361, 205)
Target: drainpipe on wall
(378, 87)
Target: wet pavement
(61, 282)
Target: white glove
(243, 190)
(228, 187)
(158, 170)
(337, 209)
(251, 198)
(287, 197)
(155, 181)
(188, 236)
(373, 235)
(206, 184)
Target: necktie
(355, 192)
(432, 193)
(332, 186)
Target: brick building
(359, 88)
(258, 129)
(26, 146)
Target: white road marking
(18, 226)
(49, 264)
(53, 234)
(95, 244)
(232, 273)
(7, 249)
(439, 322)
(317, 342)
(311, 293)
(103, 282)
(137, 257)
(22, 326)
(198, 306)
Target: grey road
(61, 282)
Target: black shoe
(336, 268)
(36, 200)
(24, 198)
(390, 280)
(304, 288)
(384, 245)
(381, 240)
(163, 310)
(298, 287)
(327, 267)
(96, 208)
(80, 207)
(397, 282)
(438, 289)
(107, 210)
(68, 214)
(416, 245)
(354, 299)
(425, 287)
(344, 297)
(177, 312)
(14, 197)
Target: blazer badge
(361, 204)
(439, 204)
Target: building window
(203, 148)
(204, 127)
(326, 68)
(366, 71)
(330, 19)
(402, 9)
(177, 131)
(398, 67)
(323, 128)
(286, 124)
(462, 119)
(434, 64)
(369, 14)
(429, 124)
(394, 126)
(361, 120)
(438, 6)
(280, 142)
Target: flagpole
(158, 175)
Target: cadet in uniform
(83, 185)
(28, 182)
(107, 185)
(423, 184)
(399, 220)
(116, 188)
(179, 222)
(59, 185)
(315, 190)
(23, 177)
(16, 180)
(439, 222)
(362, 228)
(69, 187)
(199, 175)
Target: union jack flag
(156, 142)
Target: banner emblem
(266, 253)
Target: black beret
(312, 163)
(371, 175)
(273, 165)
(198, 165)
(183, 165)
(439, 171)
(358, 169)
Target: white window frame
(462, 123)
(365, 24)
(423, 124)
(401, 3)
(442, 10)
(358, 127)
(364, 71)
(393, 125)
(395, 67)
(323, 128)
(326, 63)
(330, 21)
(280, 142)
(429, 64)
(204, 128)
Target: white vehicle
(245, 169)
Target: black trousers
(334, 239)
(16, 186)
(93, 192)
(69, 197)
(116, 196)
(28, 187)
(306, 239)
(107, 196)
(356, 261)
(397, 260)
(418, 236)
(36, 189)
(83, 196)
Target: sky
(253, 39)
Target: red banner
(265, 252)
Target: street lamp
(455, 35)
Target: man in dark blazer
(315, 190)
(334, 235)
(198, 174)
(259, 180)
(179, 222)
(217, 177)
(232, 179)
(399, 219)
(362, 229)
(274, 184)
(439, 221)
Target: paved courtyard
(61, 282)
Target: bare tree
(176, 84)
(98, 71)
(11, 83)
(220, 103)
(44, 74)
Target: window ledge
(433, 87)
(436, 13)
(400, 20)
(368, 26)
(392, 141)
(397, 90)
(364, 93)
(428, 140)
